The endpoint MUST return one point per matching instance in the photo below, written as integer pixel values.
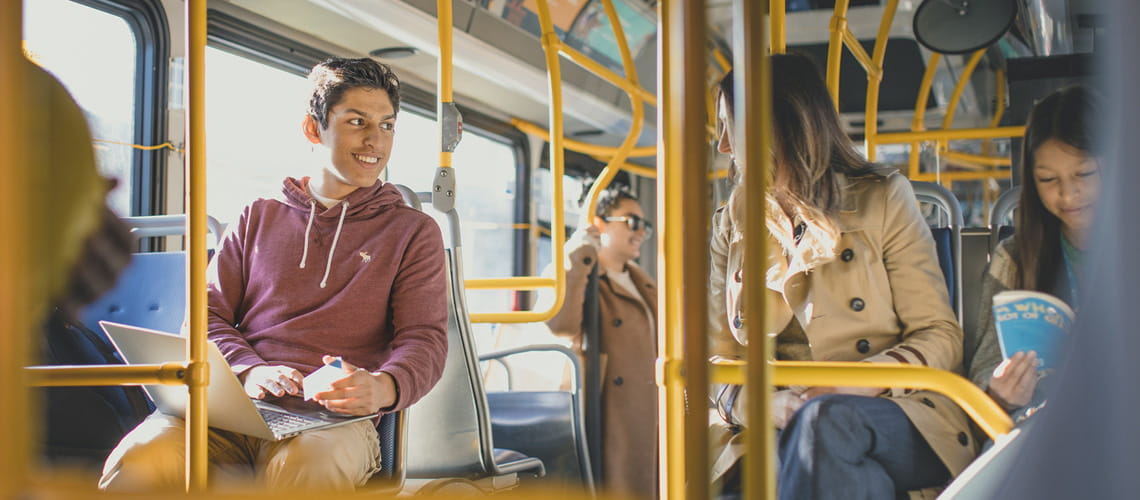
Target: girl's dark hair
(1065, 115)
(810, 144)
(610, 198)
(336, 75)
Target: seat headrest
(410, 196)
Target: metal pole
(197, 454)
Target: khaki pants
(152, 456)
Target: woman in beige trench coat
(852, 275)
(627, 300)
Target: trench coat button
(617, 321)
(587, 261)
(928, 402)
(738, 276)
(847, 255)
(618, 381)
(963, 439)
(738, 322)
(863, 346)
(857, 304)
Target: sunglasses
(635, 223)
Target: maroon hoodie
(364, 280)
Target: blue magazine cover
(1032, 321)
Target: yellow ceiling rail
(859, 52)
(199, 374)
(988, 415)
(631, 87)
(648, 172)
(514, 283)
(993, 161)
(683, 247)
(875, 79)
(637, 112)
(952, 134)
(579, 146)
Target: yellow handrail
(172, 373)
(918, 123)
(579, 146)
(988, 415)
(835, 48)
(198, 373)
(683, 246)
(952, 134)
(753, 90)
(15, 256)
(777, 15)
(875, 79)
(444, 71)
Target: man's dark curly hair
(336, 75)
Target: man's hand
(1014, 381)
(358, 392)
(277, 380)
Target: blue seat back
(150, 293)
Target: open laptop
(228, 405)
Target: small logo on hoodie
(365, 258)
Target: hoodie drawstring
(336, 236)
(312, 213)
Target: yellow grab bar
(989, 416)
(172, 373)
(951, 135)
(579, 146)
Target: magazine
(1032, 321)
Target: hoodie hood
(363, 203)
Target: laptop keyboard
(284, 423)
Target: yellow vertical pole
(753, 136)
(197, 453)
(835, 48)
(919, 122)
(875, 78)
(550, 44)
(684, 246)
(15, 322)
(444, 85)
(778, 15)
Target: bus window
(573, 188)
(485, 169)
(253, 131)
(99, 72)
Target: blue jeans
(854, 447)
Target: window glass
(253, 132)
(93, 54)
(485, 198)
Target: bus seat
(151, 291)
(449, 439)
(1001, 215)
(389, 480)
(990, 471)
(947, 237)
(544, 424)
(410, 197)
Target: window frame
(147, 19)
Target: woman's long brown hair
(1066, 116)
(811, 147)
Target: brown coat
(882, 299)
(629, 352)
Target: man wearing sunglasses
(627, 300)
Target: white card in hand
(322, 379)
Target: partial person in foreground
(336, 265)
(851, 275)
(1060, 186)
(627, 308)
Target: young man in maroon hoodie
(336, 265)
